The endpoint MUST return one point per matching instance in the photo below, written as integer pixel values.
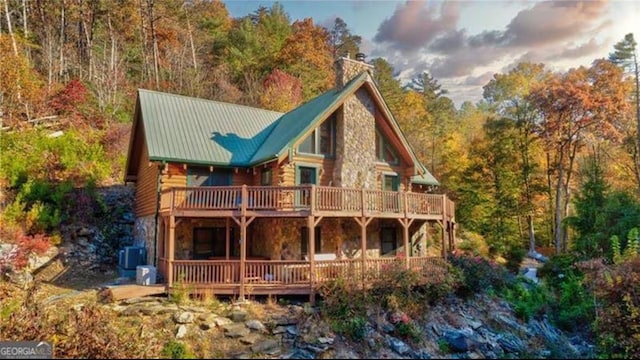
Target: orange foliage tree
(582, 105)
(307, 56)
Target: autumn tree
(580, 105)
(282, 92)
(625, 55)
(507, 96)
(306, 55)
(440, 121)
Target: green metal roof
(180, 128)
(301, 119)
(192, 130)
(424, 179)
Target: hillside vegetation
(545, 162)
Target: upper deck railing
(306, 199)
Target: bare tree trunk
(24, 19)
(145, 51)
(87, 33)
(10, 29)
(532, 235)
(62, 40)
(193, 48)
(154, 42)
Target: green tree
(389, 86)
(584, 103)
(507, 95)
(342, 41)
(590, 222)
(625, 55)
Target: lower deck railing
(284, 273)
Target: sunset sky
(463, 43)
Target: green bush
(176, 350)
(528, 300)
(514, 256)
(479, 274)
(575, 305)
(354, 327)
(557, 269)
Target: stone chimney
(347, 69)
(355, 161)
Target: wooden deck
(303, 201)
(288, 277)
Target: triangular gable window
(384, 150)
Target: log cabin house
(241, 200)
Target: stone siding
(144, 235)
(347, 69)
(355, 164)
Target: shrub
(558, 268)
(354, 327)
(87, 333)
(575, 305)
(514, 256)
(479, 274)
(176, 350)
(528, 300)
(618, 323)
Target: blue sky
(463, 43)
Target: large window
(209, 242)
(384, 150)
(265, 177)
(322, 141)
(388, 241)
(304, 240)
(200, 176)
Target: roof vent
(360, 57)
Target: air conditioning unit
(132, 256)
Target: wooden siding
(242, 176)
(175, 176)
(324, 165)
(400, 169)
(146, 185)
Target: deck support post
(227, 246)
(405, 237)
(243, 241)
(171, 254)
(363, 222)
(443, 238)
(311, 225)
(243, 254)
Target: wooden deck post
(227, 239)
(363, 222)
(171, 254)
(405, 237)
(311, 225)
(243, 241)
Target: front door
(305, 175)
(388, 241)
(390, 201)
(209, 242)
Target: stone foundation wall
(144, 235)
